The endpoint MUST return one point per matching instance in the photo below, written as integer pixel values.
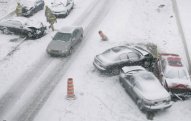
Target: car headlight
(148, 102)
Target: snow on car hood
(153, 91)
(58, 7)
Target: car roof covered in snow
(68, 29)
(20, 19)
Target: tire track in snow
(11, 96)
(32, 108)
(16, 90)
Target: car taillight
(179, 86)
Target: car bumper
(99, 67)
(57, 53)
(26, 14)
(60, 14)
(157, 107)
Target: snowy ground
(185, 16)
(29, 75)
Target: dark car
(64, 41)
(61, 9)
(29, 7)
(23, 26)
(144, 88)
(115, 58)
(174, 75)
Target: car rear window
(174, 61)
(62, 36)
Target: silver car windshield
(175, 73)
(62, 36)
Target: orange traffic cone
(70, 89)
(102, 35)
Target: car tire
(146, 64)
(115, 71)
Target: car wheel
(115, 71)
(146, 64)
(5, 30)
(139, 104)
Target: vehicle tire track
(8, 100)
(32, 108)
(16, 90)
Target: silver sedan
(64, 41)
(144, 88)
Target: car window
(123, 56)
(62, 36)
(133, 56)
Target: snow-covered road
(33, 84)
(34, 87)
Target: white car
(174, 76)
(61, 8)
(144, 88)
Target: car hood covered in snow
(27, 3)
(153, 91)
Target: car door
(125, 81)
(16, 27)
(130, 85)
(133, 59)
(123, 59)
